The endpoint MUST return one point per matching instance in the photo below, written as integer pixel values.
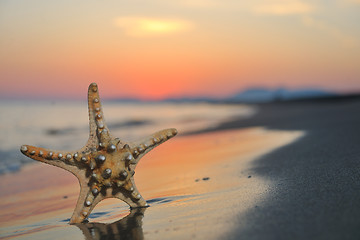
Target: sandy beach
(291, 171)
(229, 120)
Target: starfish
(105, 166)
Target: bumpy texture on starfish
(105, 165)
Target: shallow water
(64, 124)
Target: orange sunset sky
(156, 49)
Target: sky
(160, 48)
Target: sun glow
(159, 49)
(138, 26)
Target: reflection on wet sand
(129, 227)
(197, 187)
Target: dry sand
(199, 187)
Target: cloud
(346, 40)
(141, 26)
(351, 1)
(304, 11)
(284, 7)
(200, 3)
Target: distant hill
(258, 95)
(262, 95)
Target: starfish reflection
(129, 227)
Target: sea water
(63, 125)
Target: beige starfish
(105, 165)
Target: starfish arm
(99, 132)
(63, 159)
(130, 194)
(88, 199)
(140, 148)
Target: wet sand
(316, 180)
(199, 187)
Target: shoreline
(202, 172)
